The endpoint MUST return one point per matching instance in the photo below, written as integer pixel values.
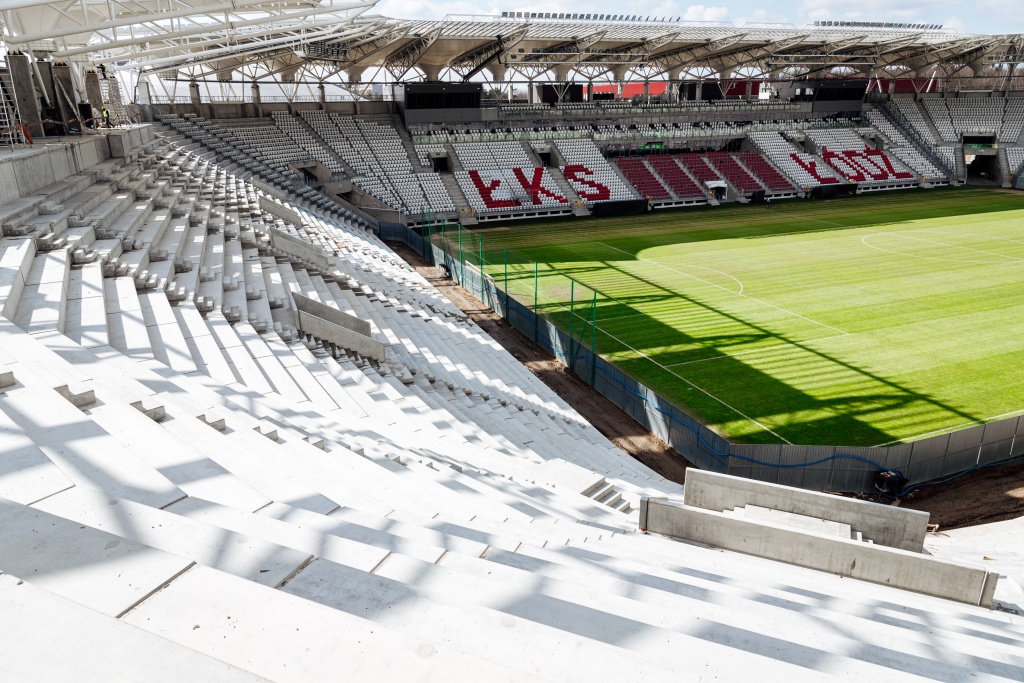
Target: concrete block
(868, 562)
(153, 412)
(884, 524)
(341, 336)
(212, 420)
(79, 396)
(332, 314)
(267, 430)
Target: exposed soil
(988, 495)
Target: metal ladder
(11, 132)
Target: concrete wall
(268, 189)
(27, 172)
(304, 251)
(320, 310)
(884, 524)
(94, 91)
(874, 563)
(328, 331)
(67, 99)
(280, 211)
(25, 93)
(123, 141)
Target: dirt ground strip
(988, 495)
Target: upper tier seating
(958, 116)
(882, 124)
(975, 114)
(643, 180)
(589, 173)
(806, 169)
(847, 153)
(263, 149)
(916, 117)
(294, 129)
(938, 112)
(600, 130)
(375, 151)
(191, 488)
(903, 149)
(1013, 121)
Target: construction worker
(106, 117)
(103, 71)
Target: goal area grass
(861, 321)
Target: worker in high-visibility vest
(106, 117)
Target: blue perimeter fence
(825, 468)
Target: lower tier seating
(734, 172)
(1015, 157)
(589, 173)
(643, 180)
(846, 152)
(675, 177)
(765, 172)
(807, 170)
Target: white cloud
(956, 24)
(702, 13)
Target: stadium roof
(211, 37)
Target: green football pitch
(860, 321)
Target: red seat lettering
(486, 191)
(812, 168)
(848, 167)
(574, 174)
(534, 187)
(888, 164)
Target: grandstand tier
(193, 479)
(464, 172)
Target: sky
(971, 16)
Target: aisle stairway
(188, 481)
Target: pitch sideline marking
(936, 258)
(951, 246)
(726, 289)
(988, 237)
(983, 420)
